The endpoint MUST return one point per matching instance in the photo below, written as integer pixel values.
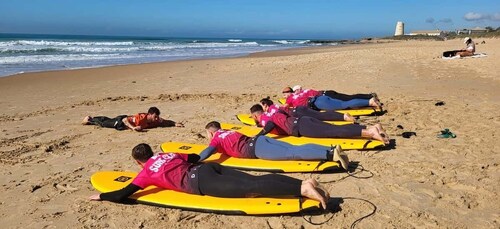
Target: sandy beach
(47, 156)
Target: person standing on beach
(183, 173)
(470, 48)
(282, 123)
(235, 144)
(138, 122)
(317, 101)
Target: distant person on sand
(183, 173)
(317, 100)
(470, 48)
(137, 122)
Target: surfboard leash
(349, 174)
(353, 224)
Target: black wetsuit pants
(103, 121)
(314, 128)
(217, 180)
(344, 97)
(301, 111)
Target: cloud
(446, 20)
(471, 16)
(433, 21)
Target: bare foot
(348, 117)
(385, 136)
(309, 191)
(373, 102)
(312, 181)
(373, 133)
(382, 132)
(379, 127)
(340, 156)
(86, 120)
(318, 186)
(323, 192)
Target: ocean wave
(150, 46)
(289, 42)
(56, 58)
(33, 54)
(216, 45)
(29, 51)
(64, 43)
(69, 50)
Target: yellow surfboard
(354, 112)
(107, 181)
(248, 120)
(345, 143)
(252, 164)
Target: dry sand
(47, 157)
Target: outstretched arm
(117, 196)
(207, 152)
(268, 128)
(170, 123)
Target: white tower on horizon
(400, 29)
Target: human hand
(137, 128)
(179, 124)
(95, 197)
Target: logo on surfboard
(123, 179)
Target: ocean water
(32, 53)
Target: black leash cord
(350, 175)
(353, 225)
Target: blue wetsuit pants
(323, 102)
(271, 149)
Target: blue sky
(243, 19)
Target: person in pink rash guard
(319, 101)
(235, 144)
(270, 108)
(281, 123)
(181, 172)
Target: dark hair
(213, 124)
(256, 108)
(142, 152)
(266, 101)
(154, 110)
(287, 90)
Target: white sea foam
(49, 54)
(101, 48)
(63, 43)
(287, 42)
(54, 58)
